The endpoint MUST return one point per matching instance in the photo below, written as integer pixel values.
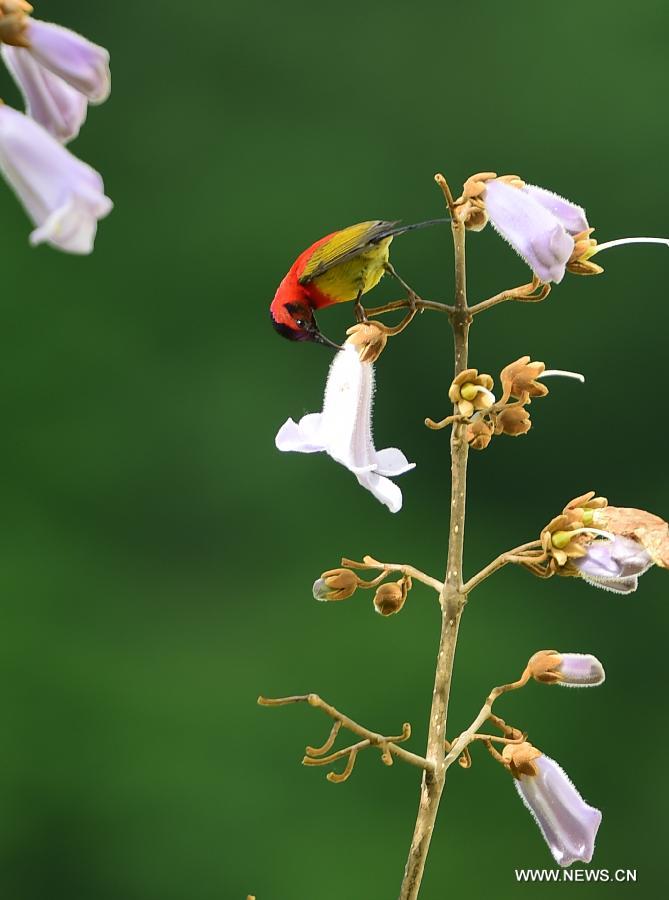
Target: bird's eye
(300, 323)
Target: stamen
(563, 373)
(598, 531)
(632, 240)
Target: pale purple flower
(572, 217)
(344, 429)
(614, 564)
(580, 670)
(534, 231)
(81, 63)
(541, 227)
(49, 100)
(568, 824)
(63, 196)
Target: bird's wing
(343, 245)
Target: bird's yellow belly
(359, 274)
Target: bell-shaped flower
(79, 62)
(533, 229)
(63, 196)
(614, 565)
(344, 429)
(49, 100)
(567, 823)
(550, 233)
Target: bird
(338, 268)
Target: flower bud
(569, 669)
(513, 420)
(479, 433)
(390, 597)
(335, 584)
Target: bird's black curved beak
(319, 338)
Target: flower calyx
(336, 584)
(579, 262)
(519, 759)
(13, 22)
(369, 339)
(390, 597)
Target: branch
(369, 562)
(419, 304)
(525, 293)
(511, 556)
(387, 745)
(470, 734)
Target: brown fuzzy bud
(369, 338)
(13, 22)
(479, 433)
(390, 597)
(335, 584)
(520, 758)
(513, 420)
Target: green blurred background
(157, 552)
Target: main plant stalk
(452, 601)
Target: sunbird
(338, 268)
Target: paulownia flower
(343, 429)
(567, 823)
(59, 108)
(614, 565)
(63, 196)
(471, 392)
(550, 233)
(335, 584)
(58, 71)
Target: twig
(369, 562)
(485, 713)
(419, 304)
(511, 556)
(525, 293)
(387, 745)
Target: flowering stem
(526, 293)
(370, 563)
(503, 559)
(419, 305)
(387, 745)
(452, 597)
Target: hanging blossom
(567, 823)
(608, 547)
(63, 196)
(343, 429)
(550, 233)
(57, 70)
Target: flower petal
(533, 232)
(58, 108)
(81, 63)
(571, 216)
(383, 489)
(302, 437)
(392, 461)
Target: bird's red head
(293, 317)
